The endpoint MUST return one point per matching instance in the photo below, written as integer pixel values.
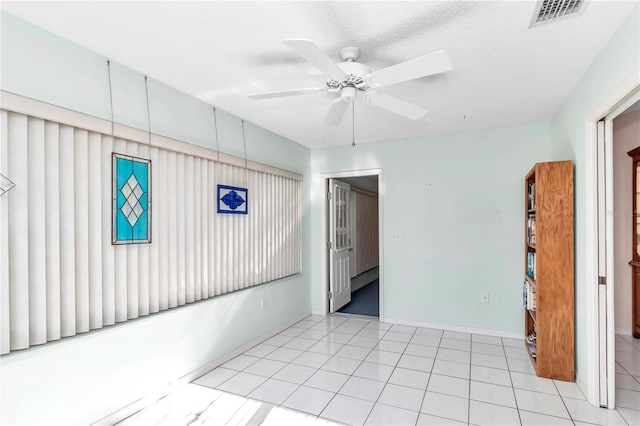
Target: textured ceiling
(504, 73)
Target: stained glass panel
(131, 200)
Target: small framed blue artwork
(232, 200)
(131, 199)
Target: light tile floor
(349, 370)
(628, 378)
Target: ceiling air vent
(552, 10)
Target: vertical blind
(60, 275)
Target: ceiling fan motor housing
(354, 78)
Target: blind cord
(246, 169)
(146, 89)
(215, 125)
(110, 97)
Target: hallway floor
(364, 301)
(628, 378)
(336, 369)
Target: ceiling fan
(349, 77)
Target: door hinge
(328, 195)
(602, 280)
(329, 245)
(330, 295)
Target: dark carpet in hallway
(364, 301)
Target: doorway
(626, 257)
(606, 260)
(364, 258)
(356, 211)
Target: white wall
(626, 136)
(617, 64)
(81, 379)
(458, 199)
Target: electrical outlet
(485, 297)
(263, 303)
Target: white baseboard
(497, 333)
(624, 331)
(144, 402)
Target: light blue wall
(81, 379)
(458, 199)
(40, 65)
(44, 67)
(618, 62)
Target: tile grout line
(563, 402)
(513, 388)
(394, 368)
(426, 389)
(316, 416)
(469, 392)
(299, 385)
(359, 365)
(289, 363)
(351, 375)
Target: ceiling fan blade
(336, 112)
(422, 66)
(312, 53)
(283, 93)
(397, 106)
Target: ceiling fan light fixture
(348, 93)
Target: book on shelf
(532, 298)
(531, 265)
(531, 196)
(529, 296)
(531, 230)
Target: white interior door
(339, 245)
(606, 331)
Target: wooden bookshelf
(552, 320)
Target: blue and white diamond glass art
(232, 200)
(131, 200)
